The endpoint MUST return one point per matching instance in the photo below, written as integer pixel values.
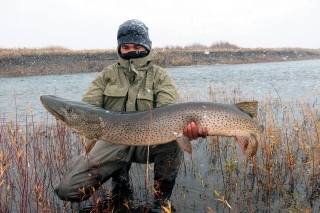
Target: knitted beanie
(135, 32)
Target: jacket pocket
(115, 97)
(145, 100)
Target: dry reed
(283, 177)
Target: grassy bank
(283, 178)
(49, 61)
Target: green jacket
(132, 85)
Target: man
(132, 84)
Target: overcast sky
(80, 24)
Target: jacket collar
(138, 64)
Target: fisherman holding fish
(134, 83)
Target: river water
(285, 80)
(206, 179)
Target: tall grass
(16, 52)
(283, 177)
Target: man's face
(125, 48)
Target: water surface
(215, 170)
(286, 80)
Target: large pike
(160, 125)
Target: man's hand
(191, 131)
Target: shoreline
(32, 62)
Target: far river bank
(31, 62)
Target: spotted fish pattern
(160, 125)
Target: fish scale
(160, 125)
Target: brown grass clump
(51, 50)
(283, 177)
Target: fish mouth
(52, 105)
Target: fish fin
(248, 146)
(184, 143)
(251, 108)
(90, 145)
(252, 147)
(243, 143)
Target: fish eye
(69, 110)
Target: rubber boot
(162, 193)
(120, 178)
(122, 192)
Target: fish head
(77, 116)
